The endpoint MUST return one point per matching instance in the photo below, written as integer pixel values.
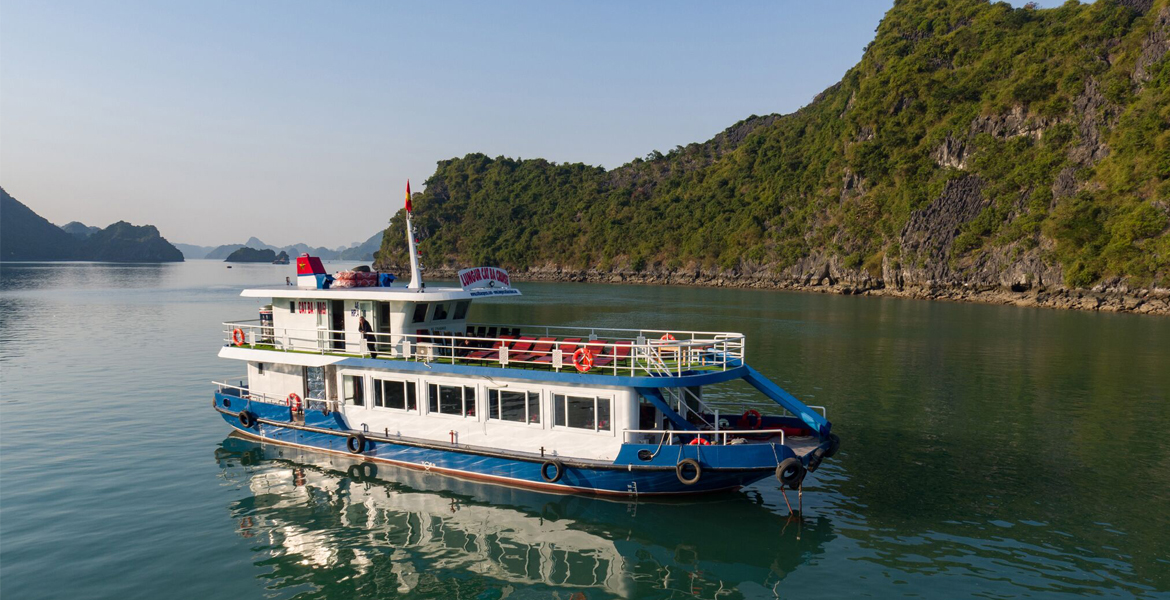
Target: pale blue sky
(300, 122)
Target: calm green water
(988, 451)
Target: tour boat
(355, 363)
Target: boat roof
(383, 294)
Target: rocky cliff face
(977, 151)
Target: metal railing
(244, 393)
(717, 437)
(610, 351)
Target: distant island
(363, 251)
(976, 152)
(25, 235)
(251, 255)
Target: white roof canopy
(381, 294)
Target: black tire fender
(356, 443)
(556, 476)
(247, 419)
(834, 446)
(680, 470)
(790, 472)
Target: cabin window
(451, 400)
(581, 412)
(420, 312)
(259, 368)
(461, 310)
(440, 312)
(292, 307)
(395, 394)
(518, 406)
(352, 389)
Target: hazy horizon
(300, 123)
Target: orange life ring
(238, 336)
(293, 401)
(583, 360)
(668, 338)
(698, 441)
(751, 412)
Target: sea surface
(988, 451)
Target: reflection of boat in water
(328, 517)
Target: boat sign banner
(479, 277)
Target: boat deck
(596, 351)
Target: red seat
(523, 345)
(620, 350)
(485, 354)
(568, 346)
(542, 347)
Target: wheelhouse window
(581, 412)
(440, 312)
(451, 400)
(420, 312)
(399, 395)
(352, 389)
(461, 309)
(514, 405)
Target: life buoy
(744, 423)
(668, 338)
(681, 467)
(790, 472)
(583, 360)
(294, 402)
(558, 470)
(356, 443)
(238, 336)
(247, 419)
(698, 441)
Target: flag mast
(415, 270)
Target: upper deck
(596, 351)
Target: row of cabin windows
(442, 310)
(576, 412)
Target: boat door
(315, 383)
(337, 312)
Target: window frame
(360, 383)
(379, 395)
(528, 404)
(426, 308)
(435, 314)
(563, 398)
(459, 313)
(433, 395)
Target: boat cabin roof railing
(597, 351)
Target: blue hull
(723, 467)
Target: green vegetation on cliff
(973, 144)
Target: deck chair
(618, 352)
(485, 354)
(568, 346)
(542, 347)
(524, 344)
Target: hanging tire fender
(681, 468)
(558, 470)
(790, 472)
(246, 419)
(356, 443)
(834, 445)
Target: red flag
(407, 195)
